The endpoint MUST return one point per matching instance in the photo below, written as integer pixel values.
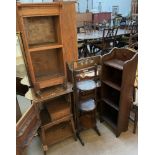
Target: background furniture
(107, 43)
(81, 17)
(118, 75)
(101, 17)
(43, 33)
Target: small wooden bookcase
(117, 81)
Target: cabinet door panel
(27, 127)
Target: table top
(98, 34)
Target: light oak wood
(49, 37)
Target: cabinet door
(27, 127)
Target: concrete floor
(106, 144)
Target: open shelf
(112, 84)
(110, 115)
(58, 133)
(42, 47)
(48, 64)
(110, 103)
(112, 77)
(58, 108)
(110, 96)
(45, 117)
(115, 63)
(42, 31)
(49, 76)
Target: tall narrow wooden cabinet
(117, 81)
(43, 37)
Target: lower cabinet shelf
(58, 133)
(110, 115)
(109, 121)
(110, 103)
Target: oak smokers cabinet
(117, 81)
(40, 25)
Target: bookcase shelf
(115, 63)
(112, 84)
(118, 74)
(44, 47)
(110, 103)
(110, 115)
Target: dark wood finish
(107, 43)
(85, 98)
(84, 63)
(118, 75)
(115, 63)
(41, 28)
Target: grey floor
(106, 144)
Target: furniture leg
(78, 136)
(135, 122)
(117, 134)
(73, 128)
(97, 131)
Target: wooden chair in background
(107, 43)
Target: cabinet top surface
(48, 93)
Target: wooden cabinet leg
(118, 134)
(97, 131)
(81, 141)
(73, 128)
(135, 122)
